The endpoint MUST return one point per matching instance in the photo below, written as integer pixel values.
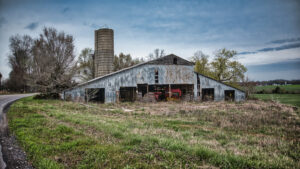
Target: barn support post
(87, 96)
(170, 91)
(147, 88)
(117, 96)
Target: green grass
(255, 134)
(289, 88)
(292, 99)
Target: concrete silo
(104, 52)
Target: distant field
(292, 99)
(251, 134)
(289, 88)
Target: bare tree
(198, 55)
(19, 60)
(53, 63)
(123, 61)
(157, 53)
(248, 86)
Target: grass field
(292, 99)
(289, 88)
(254, 134)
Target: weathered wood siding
(219, 89)
(168, 74)
(145, 74)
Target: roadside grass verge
(59, 134)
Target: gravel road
(11, 155)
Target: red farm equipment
(165, 95)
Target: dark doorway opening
(95, 95)
(208, 94)
(229, 95)
(127, 94)
(175, 61)
(198, 86)
(142, 88)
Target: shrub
(279, 90)
(47, 96)
(263, 91)
(276, 90)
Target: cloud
(91, 25)
(289, 64)
(278, 48)
(288, 69)
(65, 10)
(270, 57)
(246, 53)
(2, 21)
(94, 26)
(280, 41)
(271, 75)
(32, 26)
(283, 47)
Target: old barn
(167, 78)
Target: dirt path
(11, 155)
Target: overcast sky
(266, 33)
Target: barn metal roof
(166, 60)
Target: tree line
(48, 64)
(277, 82)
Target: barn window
(175, 61)
(156, 76)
